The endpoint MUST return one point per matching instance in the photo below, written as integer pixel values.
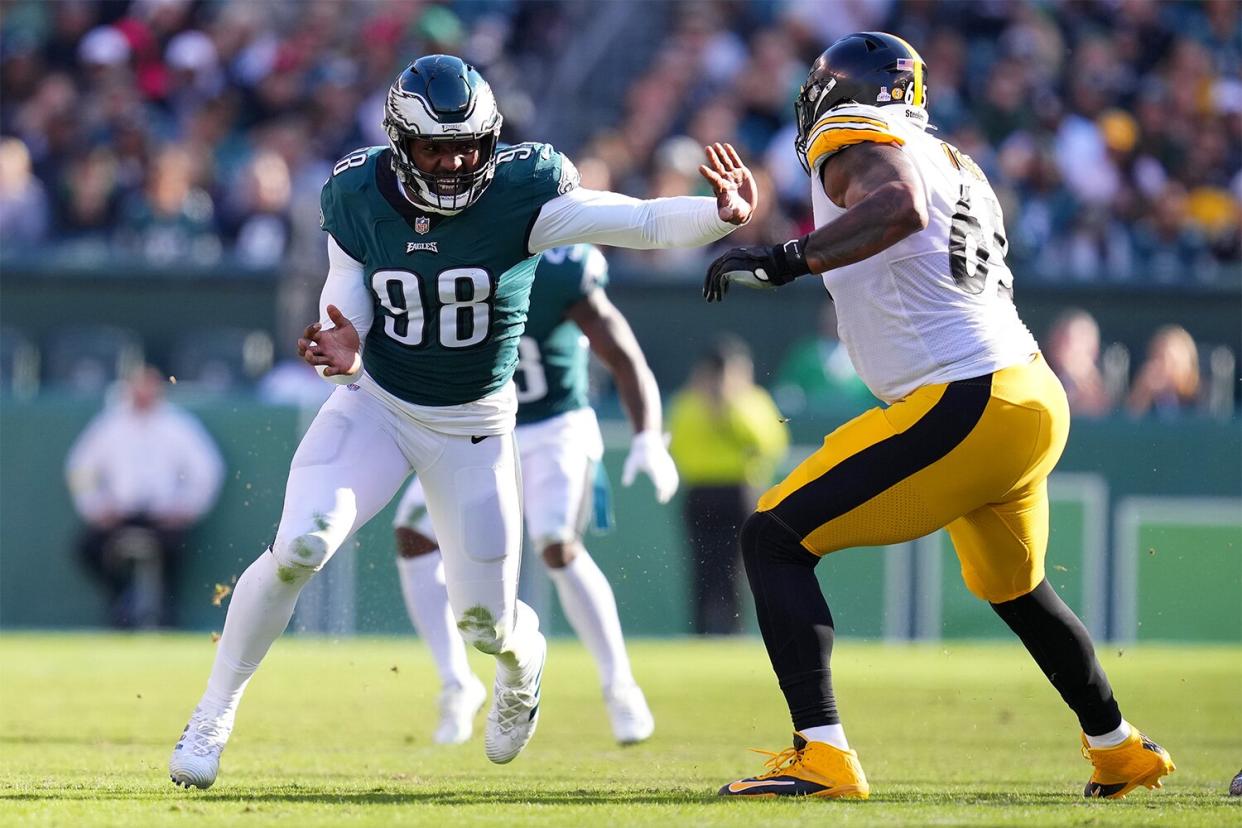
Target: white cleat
(196, 758)
(515, 713)
(631, 718)
(458, 706)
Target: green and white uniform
(448, 294)
(439, 298)
(558, 436)
(560, 445)
(440, 314)
(440, 301)
(551, 375)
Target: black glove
(761, 266)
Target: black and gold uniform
(974, 423)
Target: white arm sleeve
(345, 287)
(621, 221)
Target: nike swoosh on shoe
(738, 787)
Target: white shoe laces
(511, 704)
(205, 735)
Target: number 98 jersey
(937, 306)
(450, 292)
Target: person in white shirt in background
(143, 471)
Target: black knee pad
(764, 539)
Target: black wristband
(792, 258)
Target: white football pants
(558, 458)
(351, 461)
(354, 458)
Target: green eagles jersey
(450, 293)
(551, 375)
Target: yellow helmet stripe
(918, 72)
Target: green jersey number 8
(529, 377)
(464, 294)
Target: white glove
(648, 455)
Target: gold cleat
(1119, 770)
(806, 769)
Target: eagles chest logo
(422, 225)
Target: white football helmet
(442, 98)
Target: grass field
(337, 733)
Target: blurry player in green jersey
(560, 446)
(433, 243)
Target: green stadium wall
(163, 306)
(1146, 542)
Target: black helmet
(442, 98)
(871, 68)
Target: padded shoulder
(845, 125)
(538, 170)
(352, 177)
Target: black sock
(793, 617)
(1062, 648)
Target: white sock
(427, 602)
(1112, 738)
(587, 599)
(830, 734)
(515, 663)
(259, 610)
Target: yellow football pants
(972, 455)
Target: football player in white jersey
(910, 243)
(432, 245)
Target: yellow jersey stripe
(841, 119)
(847, 125)
(833, 140)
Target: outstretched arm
(621, 221)
(884, 202)
(614, 343)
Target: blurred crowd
(196, 132)
(201, 130)
(183, 132)
(1112, 131)
(1170, 380)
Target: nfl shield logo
(422, 225)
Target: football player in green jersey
(433, 243)
(560, 448)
